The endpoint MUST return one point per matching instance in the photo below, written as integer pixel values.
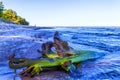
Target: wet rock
(50, 75)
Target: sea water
(25, 42)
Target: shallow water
(24, 42)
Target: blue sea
(24, 42)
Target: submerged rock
(50, 75)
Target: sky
(67, 12)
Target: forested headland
(10, 15)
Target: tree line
(11, 16)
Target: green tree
(1, 9)
(12, 16)
(9, 15)
(22, 21)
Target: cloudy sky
(67, 12)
